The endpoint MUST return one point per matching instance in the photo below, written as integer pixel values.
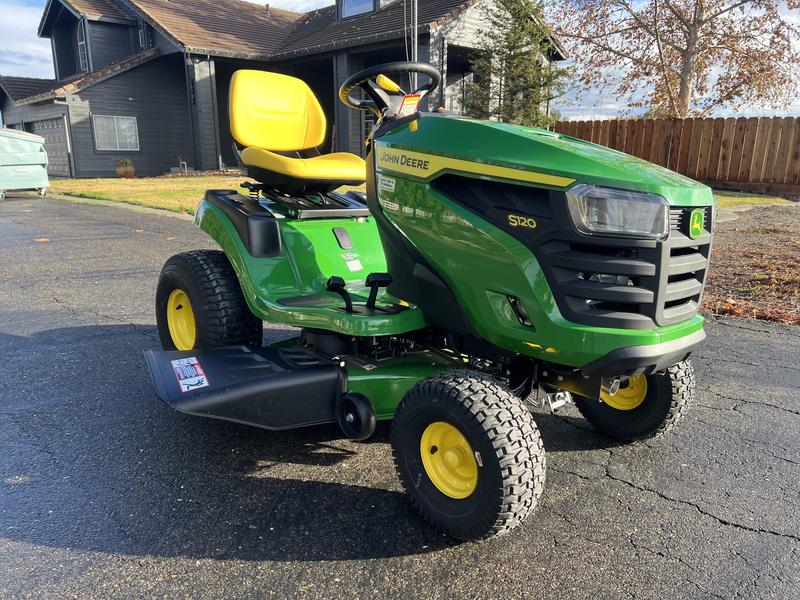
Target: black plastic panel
(266, 387)
(257, 227)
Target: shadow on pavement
(96, 462)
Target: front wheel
(469, 455)
(645, 406)
(199, 304)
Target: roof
(319, 29)
(18, 88)
(98, 9)
(221, 27)
(93, 10)
(58, 89)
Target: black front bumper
(644, 359)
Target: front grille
(599, 281)
(612, 282)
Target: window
(144, 37)
(115, 133)
(83, 57)
(350, 8)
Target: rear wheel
(199, 304)
(469, 455)
(645, 406)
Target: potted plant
(125, 168)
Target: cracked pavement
(104, 491)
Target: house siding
(17, 115)
(109, 43)
(155, 95)
(65, 45)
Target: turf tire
(669, 395)
(222, 317)
(496, 424)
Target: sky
(23, 53)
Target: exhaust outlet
(609, 385)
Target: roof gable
(93, 10)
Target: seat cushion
(339, 166)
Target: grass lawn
(179, 194)
(732, 199)
(182, 194)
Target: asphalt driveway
(105, 491)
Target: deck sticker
(349, 256)
(386, 184)
(190, 373)
(354, 265)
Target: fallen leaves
(755, 269)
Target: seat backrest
(274, 112)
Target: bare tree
(682, 57)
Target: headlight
(599, 210)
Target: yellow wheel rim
(180, 320)
(628, 397)
(448, 460)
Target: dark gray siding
(28, 113)
(109, 43)
(65, 45)
(154, 93)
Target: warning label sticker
(189, 373)
(354, 265)
(409, 105)
(385, 183)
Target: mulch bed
(755, 266)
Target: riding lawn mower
(488, 267)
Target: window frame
(83, 48)
(116, 150)
(342, 16)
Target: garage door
(55, 143)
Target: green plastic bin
(23, 162)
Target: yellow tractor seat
(273, 116)
(339, 165)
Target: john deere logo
(696, 223)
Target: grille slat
(608, 292)
(586, 261)
(683, 289)
(679, 240)
(687, 263)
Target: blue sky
(23, 53)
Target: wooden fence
(749, 154)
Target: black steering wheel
(386, 97)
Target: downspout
(73, 168)
(187, 63)
(212, 75)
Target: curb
(147, 210)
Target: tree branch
(663, 63)
(722, 11)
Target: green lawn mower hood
(546, 152)
(537, 236)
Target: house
(148, 79)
